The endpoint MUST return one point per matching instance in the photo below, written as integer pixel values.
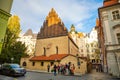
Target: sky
(81, 13)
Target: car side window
(6, 67)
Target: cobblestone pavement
(50, 76)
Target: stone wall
(70, 58)
(50, 45)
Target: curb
(38, 71)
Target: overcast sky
(81, 13)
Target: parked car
(12, 70)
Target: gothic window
(116, 15)
(56, 49)
(44, 52)
(118, 37)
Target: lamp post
(12, 60)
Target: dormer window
(116, 15)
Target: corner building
(109, 36)
(55, 46)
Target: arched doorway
(24, 64)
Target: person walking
(72, 69)
(48, 68)
(55, 69)
(96, 68)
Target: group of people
(66, 69)
(98, 68)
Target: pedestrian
(48, 68)
(96, 68)
(72, 69)
(55, 69)
(58, 68)
(66, 69)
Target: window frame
(118, 37)
(42, 64)
(115, 16)
(33, 63)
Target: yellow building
(54, 46)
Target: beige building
(29, 38)
(79, 39)
(54, 46)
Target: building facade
(87, 43)
(54, 46)
(5, 7)
(92, 46)
(29, 38)
(109, 35)
(79, 39)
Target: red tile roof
(49, 58)
(110, 2)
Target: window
(42, 63)
(51, 63)
(81, 50)
(91, 44)
(33, 63)
(92, 50)
(87, 50)
(116, 15)
(56, 49)
(44, 52)
(24, 64)
(118, 37)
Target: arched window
(24, 64)
(56, 49)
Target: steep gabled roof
(52, 26)
(28, 32)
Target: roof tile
(51, 57)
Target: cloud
(33, 12)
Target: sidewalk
(39, 71)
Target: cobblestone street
(50, 76)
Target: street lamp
(12, 60)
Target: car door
(6, 69)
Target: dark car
(12, 70)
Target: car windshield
(15, 66)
